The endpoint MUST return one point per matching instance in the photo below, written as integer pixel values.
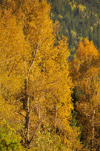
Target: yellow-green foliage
(9, 139)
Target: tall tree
(85, 74)
(34, 71)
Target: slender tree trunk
(39, 114)
(55, 117)
(27, 117)
(93, 126)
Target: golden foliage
(86, 77)
(34, 72)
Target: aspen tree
(35, 72)
(85, 73)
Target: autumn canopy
(35, 84)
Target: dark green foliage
(76, 124)
(1, 1)
(77, 23)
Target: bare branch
(21, 114)
(35, 131)
(20, 98)
(35, 54)
(21, 133)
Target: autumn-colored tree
(85, 73)
(34, 72)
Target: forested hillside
(78, 19)
(49, 94)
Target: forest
(49, 75)
(78, 19)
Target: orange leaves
(87, 67)
(86, 60)
(86, 50)
(35, 72)
(85, 75)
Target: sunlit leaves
(34, 72)
(85, 74)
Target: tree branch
(21, 133)
(35, 131)
(20, 114)
(34, 54)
